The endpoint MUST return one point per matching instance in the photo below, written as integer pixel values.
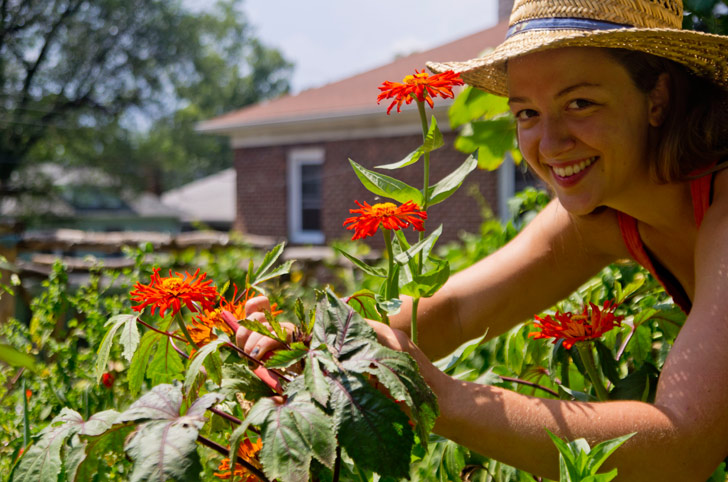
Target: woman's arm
(546, 262)
(681, 437)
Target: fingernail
(255, 351)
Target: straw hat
(651, 26)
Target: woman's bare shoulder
(600, 233)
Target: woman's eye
(525, 114)
(580, 104)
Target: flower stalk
(587, 358)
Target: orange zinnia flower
(388, 215)
(174, 291)
(592, 323)
(246, 450)
(201, 328)
(420, 86)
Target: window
(304, 195)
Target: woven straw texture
(656, 31)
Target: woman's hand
(398, 340)
(256, 344)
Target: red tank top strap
(633, 241)
(700, 189)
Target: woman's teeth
(574, 168)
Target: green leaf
(364, 302)
(286, 358)
(492, 139)
(427, 284)
(140, 362)
(450, 183)
(86, 460)
(354, 344)
(638, 385)
(166, 365)
(607, 362)
(433, 140)
(386, 186)
(195, 363)
(269, 260)
(371, 428)
(284, 268)
(462, 353)
(471, 104)
(339, 327)
(42, 461)
(314, 379)
(425, 245)
(370, 270)
(164, 446)
(14, 358)
(258, 327)
(599, 454)
(293, 432)
(129, 339)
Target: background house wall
(263, 196)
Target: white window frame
(297, 158)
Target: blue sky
(332, 39)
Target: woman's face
(582, 125)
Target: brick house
(293, 178)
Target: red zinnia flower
(420, 86)
(246, 450)
(592, 323)
(174, 291)
(388, 215)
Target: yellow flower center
(172, 284)
(415, 78)
(384, 209)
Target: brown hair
(694, 133)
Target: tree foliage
(80, 78)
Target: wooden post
(8, 250)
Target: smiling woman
(622, 113)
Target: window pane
(311, 197)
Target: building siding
(262, 193)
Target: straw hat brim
(704, 54)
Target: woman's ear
(659, 100)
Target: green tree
(79, 78)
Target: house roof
(210, 199)
(354, 95)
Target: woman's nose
(556, 138)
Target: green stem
(183, 328)
(26, 417)
(413, 320)
(587, 358)
(390, 262)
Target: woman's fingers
(257, 304)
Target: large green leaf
(42, 461)
(425, 246)
(472, 104)
(340, 328)
(195, 363)
(166, 365)
(372, 429)
(164, 445)
(370, 270)
(358, 352)
(450, 183)
(87, 458)
(293, 432)
(129, 339)
(386, 186)
(14, 358)
(493, 138)
(426, 284)
(140, 362)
